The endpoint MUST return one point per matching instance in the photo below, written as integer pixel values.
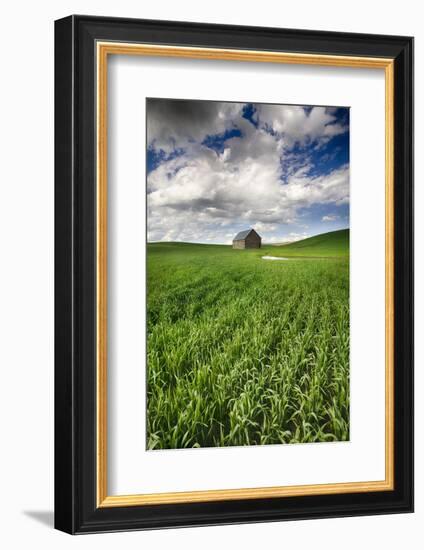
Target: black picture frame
(76, 508)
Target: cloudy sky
(216, 168)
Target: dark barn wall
(253, 241)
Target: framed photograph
(234, 269)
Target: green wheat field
(244, 351)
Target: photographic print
(247, 274)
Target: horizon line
(263, 242)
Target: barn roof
(243, 234)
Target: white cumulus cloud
(204, 194)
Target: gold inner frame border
(103, 50)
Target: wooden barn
(247, 239)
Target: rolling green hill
(335, 243)
(326, 245)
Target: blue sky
(215, 168)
